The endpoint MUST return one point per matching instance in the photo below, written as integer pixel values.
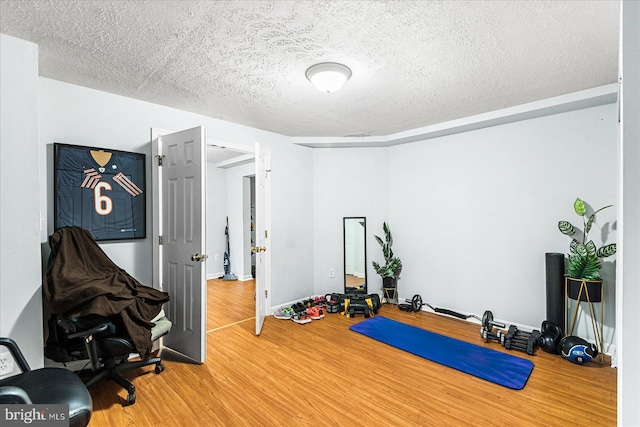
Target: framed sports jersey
(100, 190)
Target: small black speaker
(555, 287)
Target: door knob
(256, 249)
(198, 257)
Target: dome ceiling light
(328, 76)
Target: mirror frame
(344, 248)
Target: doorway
(237, 201)
(179, 177)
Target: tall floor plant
(392, 267)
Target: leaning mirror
(355, 254)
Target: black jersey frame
(125, 173)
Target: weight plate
(487, 318)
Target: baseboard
(613, 352)
(220, 275)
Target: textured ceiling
(224, 157)
(414, 63)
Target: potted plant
(390, 271)
(584, 257)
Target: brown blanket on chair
(82, 280)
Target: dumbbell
(486, 332)
(522, 341)
(488, 335)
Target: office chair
(99, 312)
(46, 386)
(104, 342)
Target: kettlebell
(550, 336)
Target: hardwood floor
(353, 281)
(229, 302)
(322, 373)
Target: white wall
(77, 115)
(629, 247)
(474, 213)
(347, 182)
(216, 214)
(20, 273)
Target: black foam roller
(555, 288)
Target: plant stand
(389, 290)
(390, 295)
(590, 292)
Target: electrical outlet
(6, 364)
(332, 273)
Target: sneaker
(284, 313)
(315, 312)
(301, 317)
(320, 301)
(299, 307)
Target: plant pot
(593, 288)
(389, 282)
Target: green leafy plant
(584, 260)
(392, 266)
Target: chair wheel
(159, 368)
(131, 399)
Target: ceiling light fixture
(328, 76)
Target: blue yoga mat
(495, 366)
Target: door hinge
(266, 293)
(160, 240)
(266, 234)
(160, 158)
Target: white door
(263, 225)
(180, 205)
